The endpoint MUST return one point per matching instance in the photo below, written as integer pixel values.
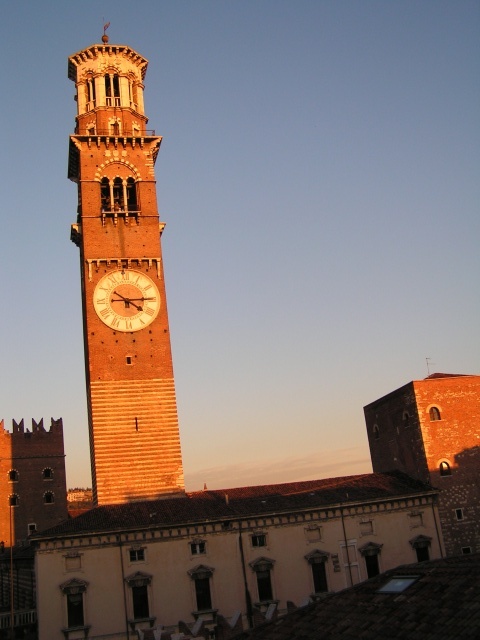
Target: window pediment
(262, 564)
(316, 556)
(370, 549)
(200, 572)
(138, 579)
(74, 586)
(420, 542)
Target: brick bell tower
(134, 435)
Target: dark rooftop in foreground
(442, 601)
(228, 504)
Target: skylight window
(398, 584)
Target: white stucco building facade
(151, 564)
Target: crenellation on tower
(56, 427)
(33, 484)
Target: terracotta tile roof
(229, 504)
(443, 602)
(433, 376)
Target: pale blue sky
(319, 177)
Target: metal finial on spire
(105, 37)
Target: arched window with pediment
(201, 576)
(74, 591)
(370, 553)
(262, 568)
(317, 560)
(139, 584)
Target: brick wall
(37, 459)
(404, 435)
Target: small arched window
(445, 469)
(13, 475)
(13, 500)
(434, 413)
(48, 498)
(376, 432)
(47, 473)
(406, 419)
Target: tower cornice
(97, 52)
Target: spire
(105, 37)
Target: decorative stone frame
(315, 557)
(203, 572)
(259, 565)
(74, 587)
(139, 579)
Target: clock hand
(127, 301)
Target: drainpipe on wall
(346, 547)
(120, 547)
(248, 598)
(437, 529)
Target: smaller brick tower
(33, 490)
(430, 430)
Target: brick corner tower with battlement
(133, 425)
(33, 491)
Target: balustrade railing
(20, 618)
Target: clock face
(126, 300)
